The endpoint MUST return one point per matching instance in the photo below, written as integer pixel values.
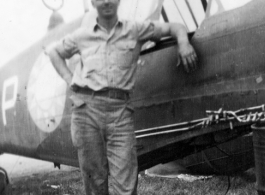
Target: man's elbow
(173, 29)
(177, 28)
(51, 50)
(53, 53)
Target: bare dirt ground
(17, 166)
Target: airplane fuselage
(35, 108)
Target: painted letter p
(10, 103)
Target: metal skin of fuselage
(231, 52)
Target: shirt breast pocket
(125, 54)
(92, 60)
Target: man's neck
(108, 24)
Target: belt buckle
(112, 94)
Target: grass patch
(240, 184)
(70, 183)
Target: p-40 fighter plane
(176, 114)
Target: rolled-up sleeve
(149, 30)
(66, 47)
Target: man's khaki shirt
(108, 60)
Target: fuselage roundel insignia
(46, 95)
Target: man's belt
(110, 93)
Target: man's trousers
(103, 131)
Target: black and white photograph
(132, 97)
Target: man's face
(106, 8)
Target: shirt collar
(94, 25)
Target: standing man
(102, 121)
